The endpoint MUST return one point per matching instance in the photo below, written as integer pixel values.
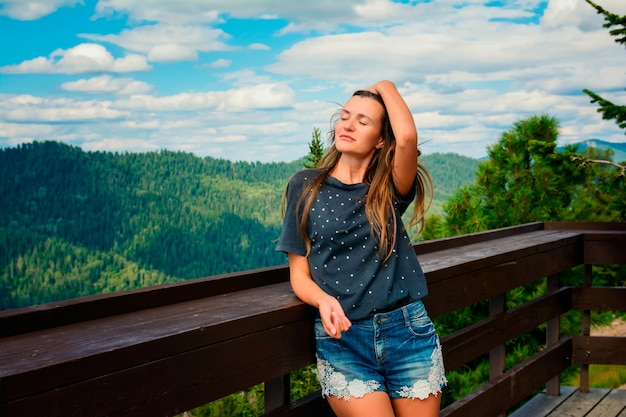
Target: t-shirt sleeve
(290, 239)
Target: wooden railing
(162, 350)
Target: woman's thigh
(374, 404)
(407, 407)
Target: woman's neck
(350, 170)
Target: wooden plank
(471, 238)
(586, 226)
(580, 404)
(542, 404)
(611, 405)
(181, 382)
(66, 312)
(605, 251)
(598, 350)
(599, 298)
(440, 265)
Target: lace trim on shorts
(334, 384)
(436, 379)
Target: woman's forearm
(405, 133)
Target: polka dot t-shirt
(344, 258)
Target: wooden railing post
(277, 392)
(553, 333)
(497, 355)
(586, 330)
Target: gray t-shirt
(344, 258)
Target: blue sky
(250, 79)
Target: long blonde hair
(381, 195)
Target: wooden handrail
(166, 349)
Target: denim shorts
(396, 352)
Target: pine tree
(524, 180)
(609, 110)
(316, 149)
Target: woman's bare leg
(374, 404)
(428, 407)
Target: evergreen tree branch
(609, 110)
(585, 161)
(612, 19)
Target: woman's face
(358, 130)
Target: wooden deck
(573, 403)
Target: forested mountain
(75, 223)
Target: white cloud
(220, 63)
(246, 77)
(579, 13)
(169, 11)
(166, 43)
(259, 47)
(83, 58)
(26, 108)
(107, 84)
(33, 9)
(262, 96)
(17, 133)
(171, 52)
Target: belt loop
(407, 315)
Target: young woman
(378, 353)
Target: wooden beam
(599, 298)
(30, 319)
(599, 350)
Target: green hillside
(75, 223)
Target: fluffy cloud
(83, 58)
(27, 108)
(166, 43)
(32, 9)
(107, 84)
(262, 96)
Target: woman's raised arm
(405, 132)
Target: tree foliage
(316, 149)
(523, 180)
(609, 110)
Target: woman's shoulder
(305, 176)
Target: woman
(378, 353)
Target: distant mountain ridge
(618, 148)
